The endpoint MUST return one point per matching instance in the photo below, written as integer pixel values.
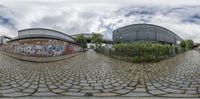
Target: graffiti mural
(39, 50)
(54, 49)
(41, 47)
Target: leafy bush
(187, 44)
(143, 51)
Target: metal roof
(150, 25)
(43, 35)
(45, 29)
(6, 37)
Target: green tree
(182, 44)
(80, 39)
(97, 39)
(189, 44)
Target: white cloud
(7, 32)
(172, 18)
(77, 16)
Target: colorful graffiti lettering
(40, 47)
(54, 49)
(40, 50)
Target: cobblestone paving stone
(92, 74)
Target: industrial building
(145, 32)
(4, 39)
(41, 42)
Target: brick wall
(41, 47)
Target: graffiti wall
(40, 50)
(41, 47)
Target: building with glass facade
(145, 32)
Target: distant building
(145, 32)
(196, 46)
(42, 42)
(4, 39)
(88, 36)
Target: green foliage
(182, 44)
(97, 38)
(189, 44)
(81, 40)
(143, 51)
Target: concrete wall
(41, 47)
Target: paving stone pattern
(92, 74)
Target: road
(93, 74)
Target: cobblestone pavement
(92, 74)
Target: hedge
(143, 51)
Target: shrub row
(142, 51)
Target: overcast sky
(86, 16)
